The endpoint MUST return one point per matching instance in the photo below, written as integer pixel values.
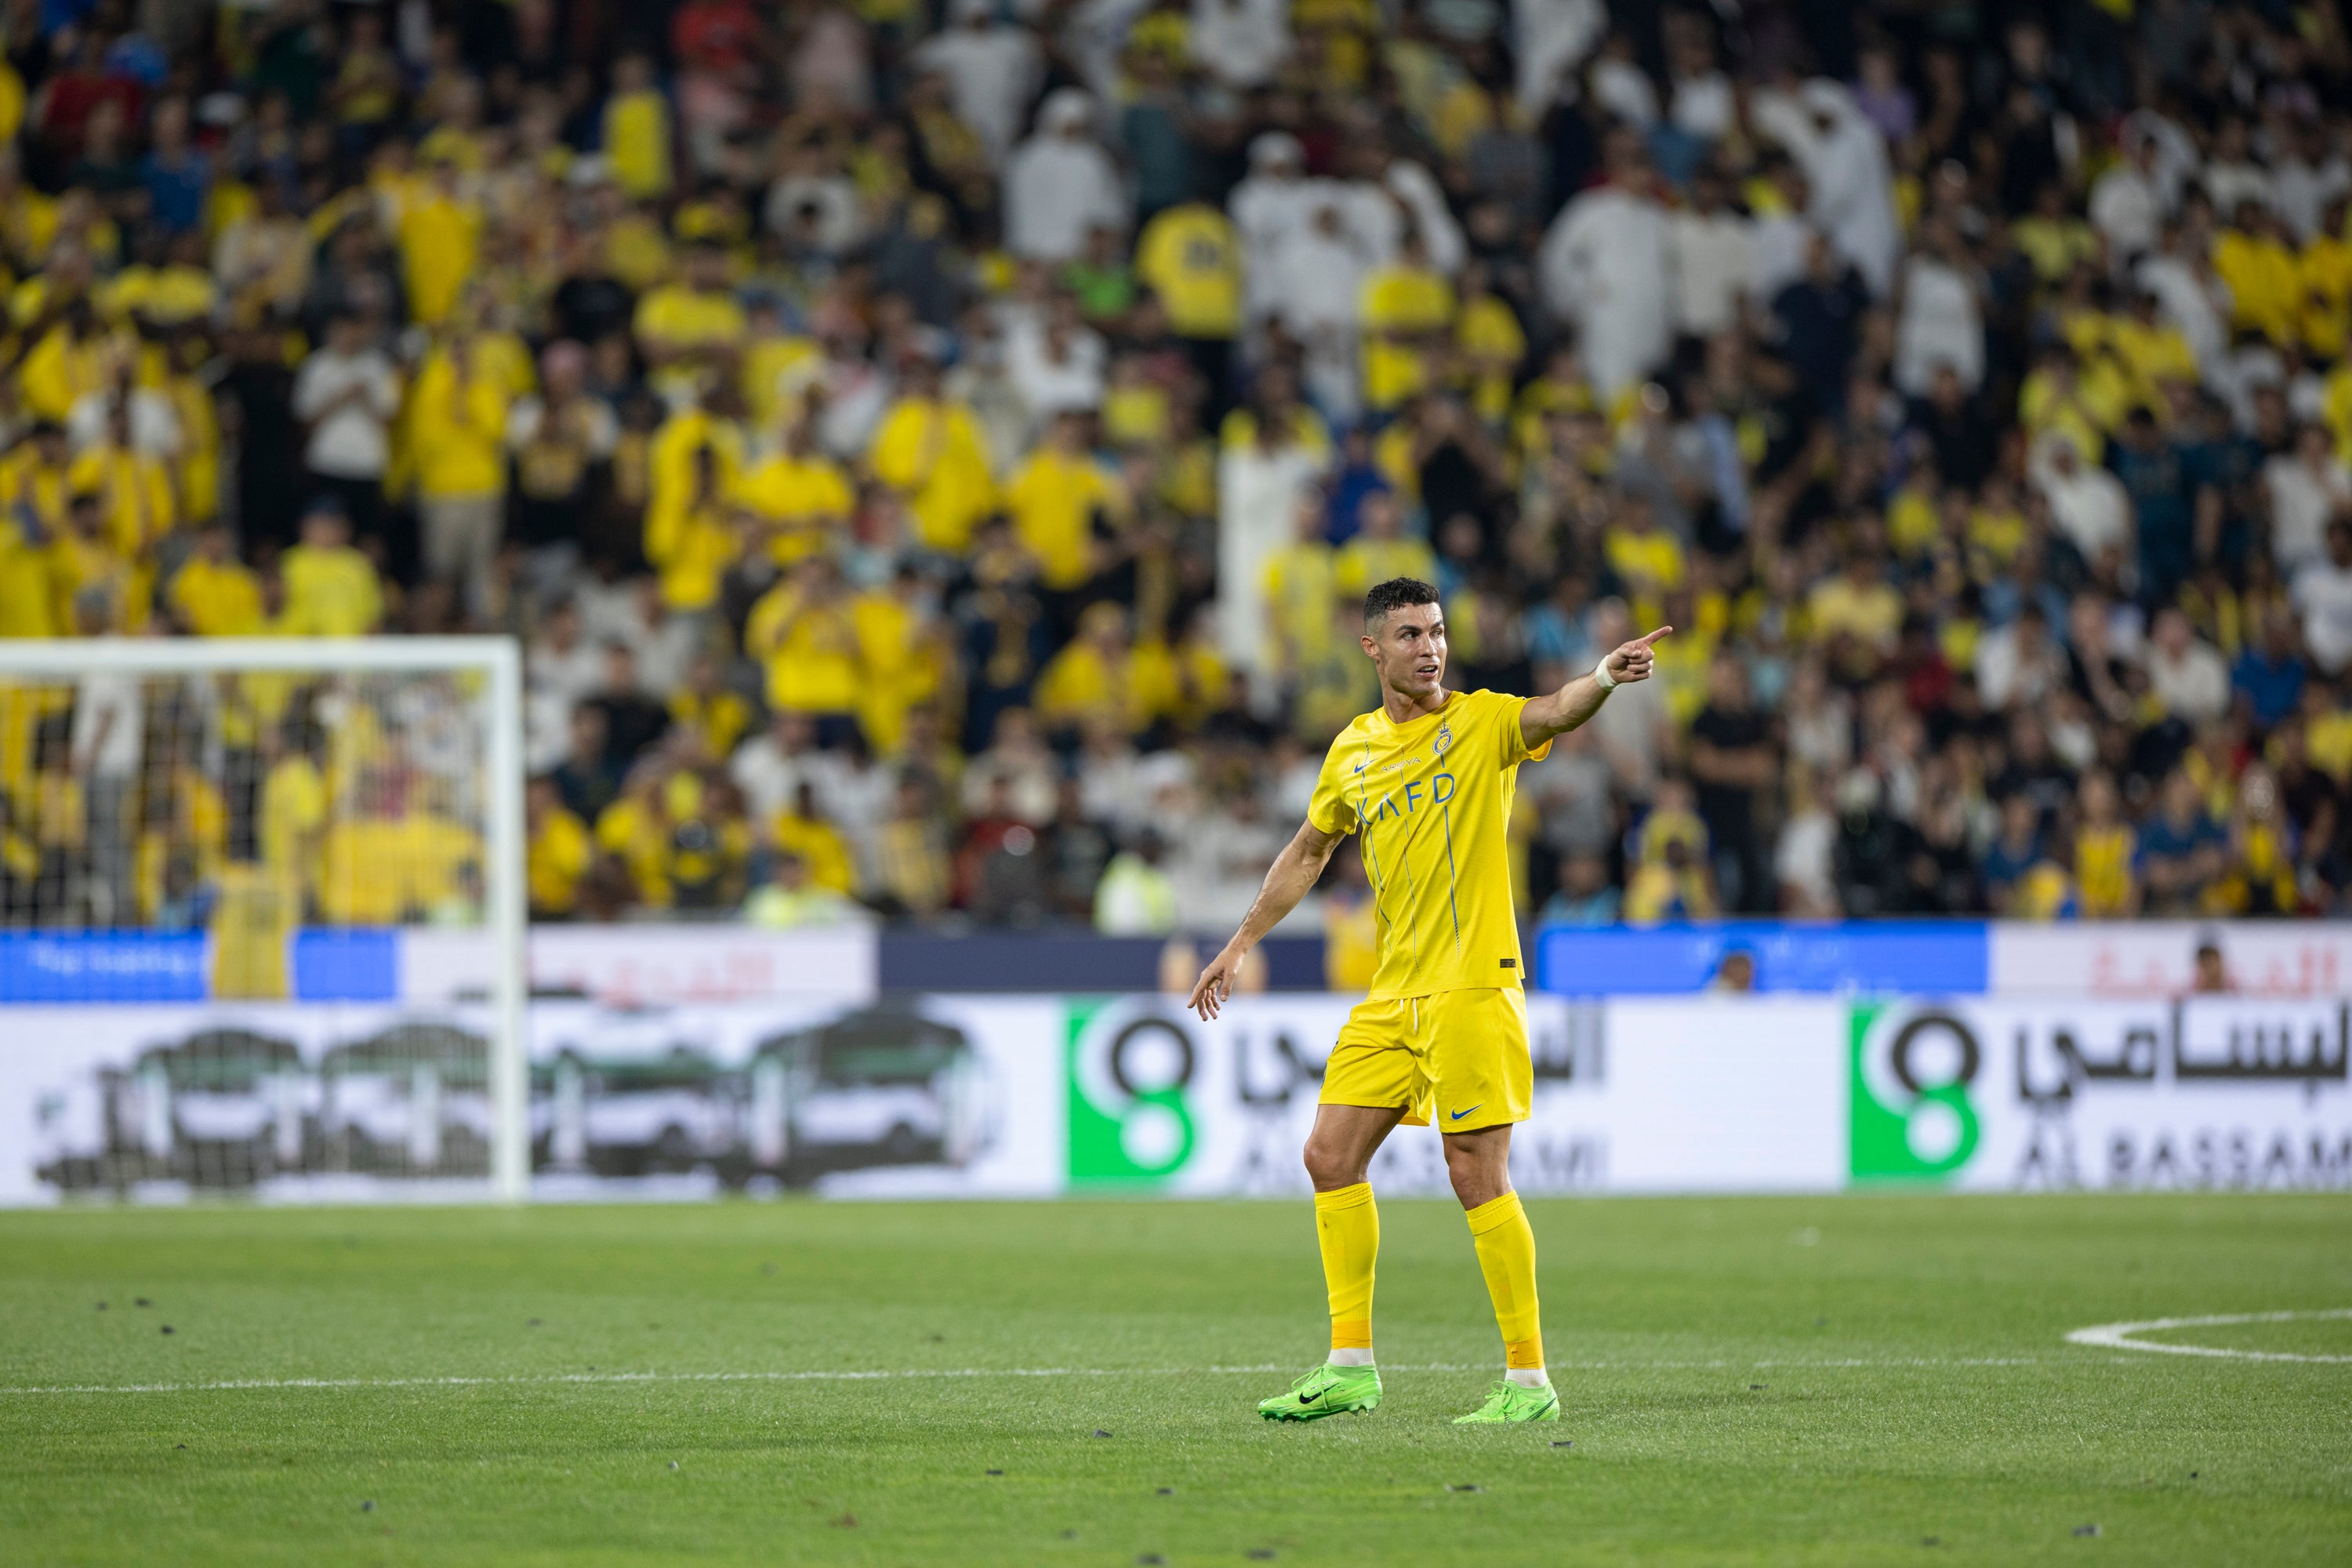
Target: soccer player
(1426, 777)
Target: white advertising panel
(285, 1101)
(2206, 1092)
(645, 966)
(1017, 1095)
(1629, 1097)
(2160, 958)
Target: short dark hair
(1396, 594)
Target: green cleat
(1326, 1390)
(1506, 1400)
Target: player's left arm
(1541, 718)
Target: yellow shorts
(1458, 1058)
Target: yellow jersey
(1191, 255)
(1432, 799)
(931, 452)
(1364, 561)
(330, 593)
(809, 497)
(1053, 501)
(440, 239)
(636, 142)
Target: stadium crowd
(934, 458)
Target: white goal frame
(499, 659)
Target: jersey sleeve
(1513, 740)
(1330, 809)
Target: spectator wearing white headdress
(1060, 185)
(1552, 38)
(1318, 275)
(1240, 42)
(992, 69)
(1847, 173)
(1267, 208)
(1607, 265)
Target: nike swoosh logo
(1310, 1398)
(1460, 1114)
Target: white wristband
(1601, 673)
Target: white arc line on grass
(560, 1379)
(2118, 1336)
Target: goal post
(309, 783)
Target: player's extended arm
(1288, 879)
(1543, 717)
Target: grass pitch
(1834, 1381)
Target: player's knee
(1477, 1178)
(1329, 1166)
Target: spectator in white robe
(1620, 89)
(992, 69)
(1714, 256)
(1417, 192)
(1055, 362)
(1061, 183)
(1260, 485)
(1267, 208)
(1849, 177)
(1240, 43)
(1941, 321)
(1552, 40)
(1318, 277)
(1607, 267)
(2190, 297)
(2127, 203)
(2087, 504)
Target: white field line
(564, 1379)
(2120, 1336)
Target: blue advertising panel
(1944, 957)
(102, 966)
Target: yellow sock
(1347, 1227)
(1506, 1256)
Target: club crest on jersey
(1445, 739)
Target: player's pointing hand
(1632, 660)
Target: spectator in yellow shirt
(691, 330)
(557, 852)
(705, 705)
(458, 431)
(331, 588)
(1381, 548)
(1189, 256)
(929, 450)
(800, 829)
(87, 570)
(1859, 607)
(135, 489)
(1403, 311)
(440, 241)
(2264, 277)
(212, 594)
(1056, 499)
(32, 517)
(1102, 676)
(805, 630)
(693, 537)
(901, 657)
(1646, 559)
(638, 130)
(2105, 849)
(1302, 583)
(800, 500)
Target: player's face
(1409, 650)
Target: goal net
(209, 852)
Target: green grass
(1829, 1380)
